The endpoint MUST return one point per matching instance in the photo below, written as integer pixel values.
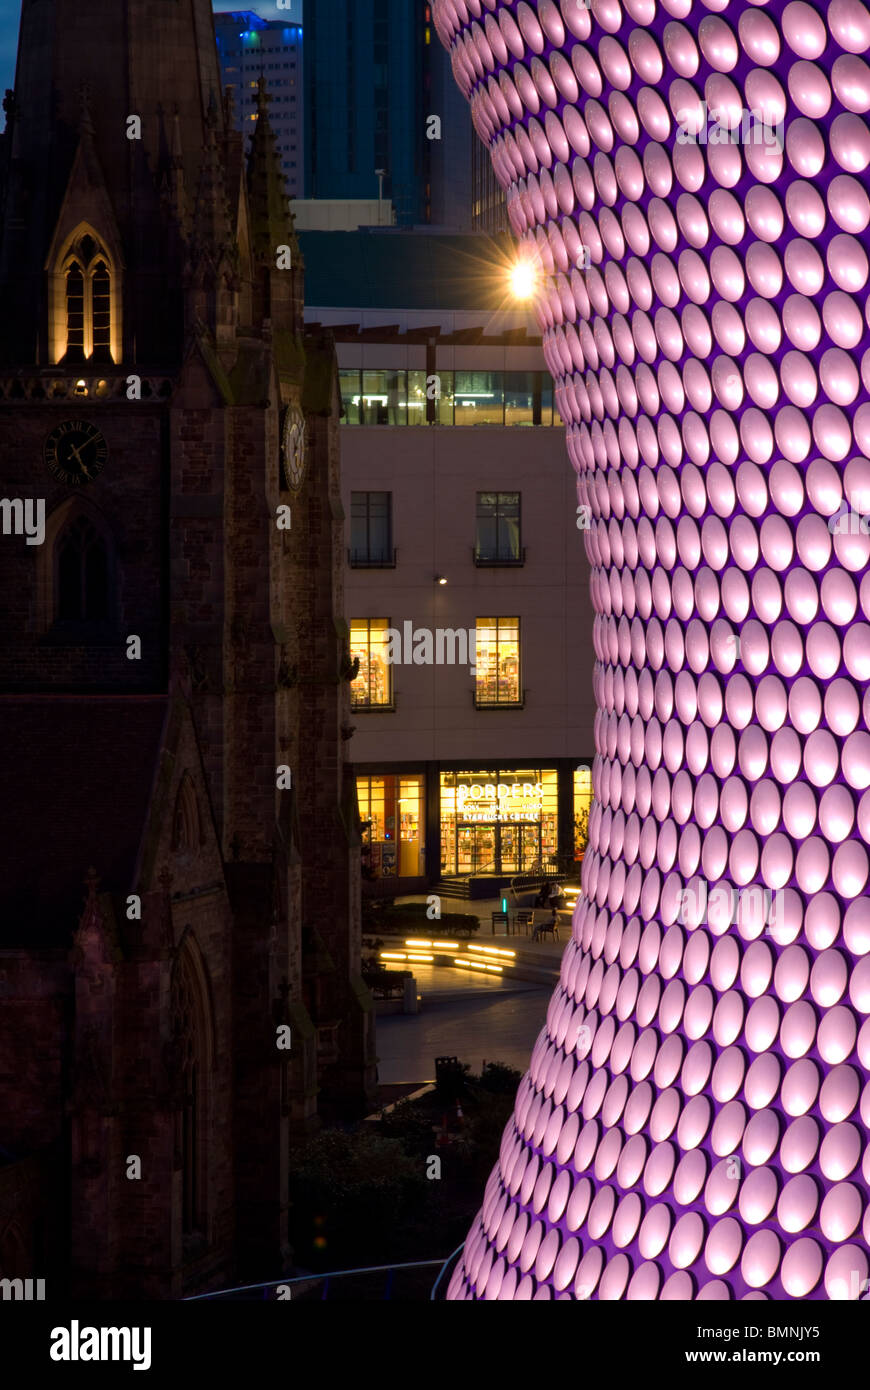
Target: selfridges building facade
(694, 1121)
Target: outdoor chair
(543, 927)
(523, 921)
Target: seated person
(551, 924)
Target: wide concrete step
(508, 957)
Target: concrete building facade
(472, 701)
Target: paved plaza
(473, 1020)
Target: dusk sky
(10, 11)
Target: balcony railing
(483, 560)
(360, 560)
(498, 704)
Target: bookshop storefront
(429, 822)
(499, 822)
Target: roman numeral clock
(76, 452)
(293, 448)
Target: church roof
(77, 774)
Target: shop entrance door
(475, 849)
(519, 847)
(531, 846)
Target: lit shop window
(399, 397)
(383, 397)
(373, 687)
(444, 401)
(391, 810)
(498, 662)
(582, 807)
(519, 398)
(479, 398)
(499, 822)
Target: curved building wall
(689, 181)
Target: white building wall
(434, 474)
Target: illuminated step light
(446, 945)
(493, 951)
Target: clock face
(76, 452)
(293, 448)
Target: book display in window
(498, 662)
(368, 642)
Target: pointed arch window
(185, 821)
(101, 310)
(88, 296)
(191, 1032)
(75, 314)
(82, 574)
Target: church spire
(174, 183)
(120, 51)
(271, 217)
(211, 222)
(86, 119)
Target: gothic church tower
(174, 659)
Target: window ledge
(374, 709)
(503, 704)
(358, 563)
(482, 562)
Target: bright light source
(523, 278)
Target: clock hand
(80, 461)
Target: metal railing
(487, 560)
(307, 1285)
(362, 560)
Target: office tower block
(250, 47)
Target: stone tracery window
(87, 274)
